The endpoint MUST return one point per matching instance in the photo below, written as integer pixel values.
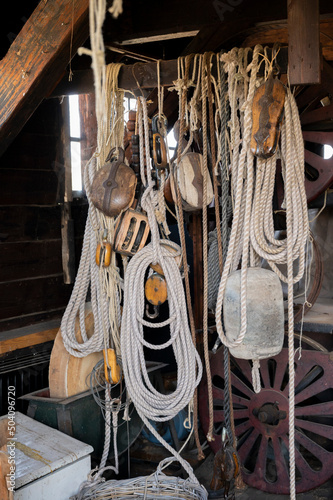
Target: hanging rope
(252, 234)
(103, 283)
(182, 86)
(151, 404)
(206, 82)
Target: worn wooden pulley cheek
(131, 232)
(189, 176)
(265, 314)
(267, 115)
(160, 157)
(156, 291)
(113, 187)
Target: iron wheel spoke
(321, 409)
(244, 451)
(314, 448)
(320, 429)
(280, 463)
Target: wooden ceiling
(39, 39)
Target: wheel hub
(269, 414)
(262, 424)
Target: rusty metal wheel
(261, 420)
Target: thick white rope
(150, 403)
(105, 283)
(253, 228)
(242, 170)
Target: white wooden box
(49, 464)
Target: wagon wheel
(315, 105)
(261, 420)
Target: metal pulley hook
(153, 315)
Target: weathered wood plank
(29, 187)
(21, 321)
(27, 340)
(30, 259)
(33, 295)
(37, 60)
(22, 223)
(88, 126)
(138, 75)
(304, 43)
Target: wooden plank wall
(32, 288)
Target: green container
(80, 417)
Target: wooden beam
(278, 32)
(37, 60)
(136, 76)
(304, 43)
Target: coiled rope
(151, 404)
(252, 233)
(103, 283)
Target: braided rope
(150, 403)
(253, 226)
(183, 84)
(240, 231)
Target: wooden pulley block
(160, 157)
(113, 187)
(177, 256)
(167, 190)
(189, 175)
(131, 232)
(267, 115)
(111, 365)
(103, 253)
(156, 289)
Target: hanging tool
(267, 114)
(156, 289)
(154, 314)
(159, 148)
(104, 251)
(226, 466)
(113, 187)
(131, 230)
(111, 365)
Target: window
(75, 142)
(328, 151)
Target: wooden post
(67, 223)
(304, 44)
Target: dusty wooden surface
(304, 43)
